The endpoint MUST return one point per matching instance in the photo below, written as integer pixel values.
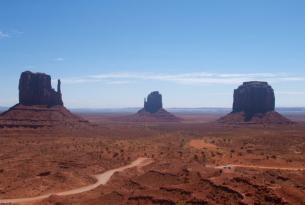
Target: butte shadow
(39, 105)
(152, 111)
(254, 103)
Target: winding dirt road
(102, 179)
(229, 166)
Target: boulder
(36, 89)
(153, 103)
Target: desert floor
(195, 162)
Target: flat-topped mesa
(153, 103)
(254, 104)
(36, 89)
(254, 97)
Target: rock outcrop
(254, 102)
(152, 112)
(36, 89)
(153, 103)
(39, 105)
(254, 97)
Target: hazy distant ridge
(219, 110)
(216, 110)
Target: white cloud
(29, 67)
(118, 82)
(291, 93)
(199, 78)
(4, 35)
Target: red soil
(262, 118)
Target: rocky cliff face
(152, 112)
(254, 103)
(37, 106)
(153, 103)
(36, 89)
(253, 97)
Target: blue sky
(113, 53)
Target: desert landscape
(204, 163)
(161, 102)
(56, 157)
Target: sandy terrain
(194, 163)
(201, 144)
(101, 179)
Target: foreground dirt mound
(143, 116)
(258, 118)
(38, 116)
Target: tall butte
(254, 102)
(36, 89)
(152, 111)
(153, 103)
(39, 105)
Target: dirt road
(230, 166)
(102, 179)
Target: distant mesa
(152, 111)
(153, 103)
(36, 89)
(254, 102)
(253, 97)
(39, 105)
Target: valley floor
(192, 163)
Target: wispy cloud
(29, 67)
(291, 92)
(4, 35)
(59, 59)
(10, 33)
(118, 82)
(17, 32)
(199, 78)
